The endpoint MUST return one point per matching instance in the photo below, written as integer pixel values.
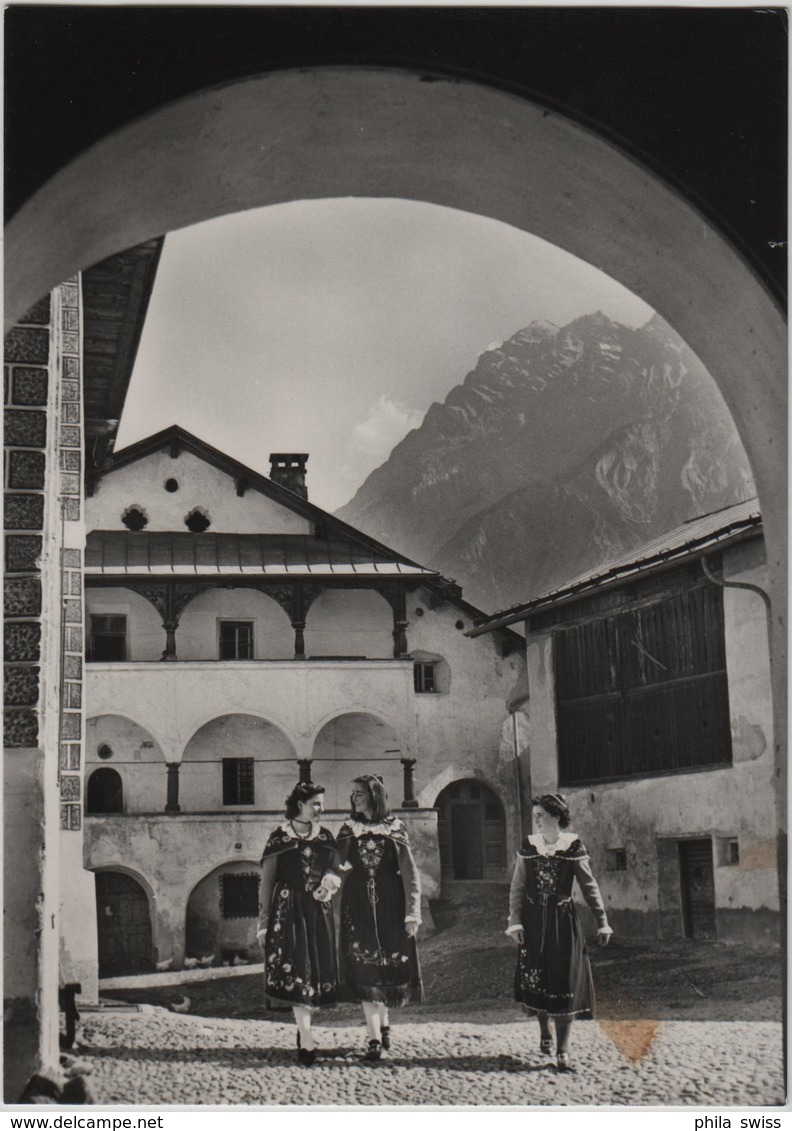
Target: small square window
(615, 860)
(424, 678)
(236, 639)
(238, 781)
(107, 639)
(239, 896)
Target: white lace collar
(385, 827)
(286, 827)
(544, 849)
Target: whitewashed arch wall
(358, 131)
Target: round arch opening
(222, 916)
(352, 744)
(384, 132)
(104, 792)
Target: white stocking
(384, 1022)
(302, 1017)
(371, 1011)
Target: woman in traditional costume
(299, 874)
(380, 912)
(553, 975)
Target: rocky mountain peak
(560, 448)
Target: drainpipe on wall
(737, 585)
(781, 856)
(518, 776)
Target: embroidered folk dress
(300, 962)
(381, 893)
(553, 973)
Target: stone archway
(222, 915)
(350, 131)
(359, 131)
(471, 828)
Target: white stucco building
(651, 710)
(239, 637)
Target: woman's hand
(261, 935)
(519, 937)
(411, 928)
(603, 936)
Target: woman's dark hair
(554, 804)
(303, 791)
(379, 798)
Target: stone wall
(173, 856)
(31, 598)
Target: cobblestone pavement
(491, 1057)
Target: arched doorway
(105, 792)
(123, 925)
(471, 829)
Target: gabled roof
(691, 539)
(335, 549)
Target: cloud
(388, 421)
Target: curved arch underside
(355, 131)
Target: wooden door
(123, 925)
(471, 831)
(466, 840)
(697, 879)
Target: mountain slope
(561, 447)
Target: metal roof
(695, 536)
(113, 552)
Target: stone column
(170, 622)
(409, 801)
(172, 803)
(399, 606)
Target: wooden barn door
(697, 878)
(123, 924)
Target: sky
(330, 326)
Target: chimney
(288, 470)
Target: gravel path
(490, 1057)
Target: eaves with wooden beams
(693, 539)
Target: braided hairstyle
(303, 791)
(555, 804)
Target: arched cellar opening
(123, 925)
(471, 829)
(222, 916)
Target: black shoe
(306, 1056)
(374, 1051)
(386, 1037)
(546, 1046)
